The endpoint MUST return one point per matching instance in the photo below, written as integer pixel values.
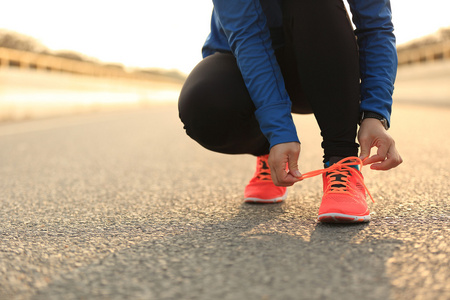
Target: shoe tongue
(264, 165)
(338, 177)
(335, 159)
(264, 171)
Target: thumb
(365, 150)
(293, 165)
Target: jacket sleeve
(245, 27)
(377, 54)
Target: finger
(365, 150)
(288, 181)
(274, 175)
(281, 177)
(392, 161)
(385, 165)
(284, 178)
(293, 165)
(278, 171)
(381, 155)
(296, 174)
(374, 159)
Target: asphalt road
(125, 206)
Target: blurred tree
(14, 40)
(69, 55)
(445, 34)
(114, 65)
(175, 74)
(18, 41)
(439, 36)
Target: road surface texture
(125, 206)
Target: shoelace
(344, 169)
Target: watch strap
(374, 115)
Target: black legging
(319, 62)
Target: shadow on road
(258, 254)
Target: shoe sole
(342, 218)
(267, 201)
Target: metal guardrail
(423, 53)
(30, 60)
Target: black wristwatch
(374, 115)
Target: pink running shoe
(344, 192)
(261, 189)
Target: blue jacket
(242, 27)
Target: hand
(281, 154)
(372, 134)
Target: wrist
(373, 115)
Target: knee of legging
(197, 114)
(207, 103)
(194, 103)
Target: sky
(162, 33)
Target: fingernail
(297, 173)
